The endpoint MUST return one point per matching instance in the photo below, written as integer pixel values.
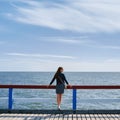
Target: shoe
(59, 108)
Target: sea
(37, 99)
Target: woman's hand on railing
(48, 85)
(68, 86)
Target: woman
(60, 84)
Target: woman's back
(61, 79)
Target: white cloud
(41, 55)
(68, 41)
(102, 46)
(84, 40)
(111, 47)
(79, 15)
(113, 61)
(71, 40)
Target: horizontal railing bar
(68, 87)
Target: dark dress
(60, 83)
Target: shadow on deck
(61, 111)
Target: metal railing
(74, 88)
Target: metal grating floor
(59, 116)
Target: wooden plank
(92, 117)
(44, 116)
(16, 118)
(101, 117)
(87, 117)
(109, 117)
(60, 117)
(31, 117)
(57, 117)
(65, 116)
(79, 116)
(118, 116)
(105, 116)
(96, 117)
(115, 116)
(70, 116)
(39, 116)
(83, 117)
(7, 117)
(76, 117)
(36, 116)
(52, 117)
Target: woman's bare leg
(59, 98)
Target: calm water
(45, 99)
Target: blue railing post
(10, 99)
(74, 99)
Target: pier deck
(14, 116)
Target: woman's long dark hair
(58, 71)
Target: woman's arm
(65, 79)
(52, 80)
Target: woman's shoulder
(61, 74)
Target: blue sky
(40, 35)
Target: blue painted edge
(74, 99)
(10, 99)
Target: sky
(79, 35)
